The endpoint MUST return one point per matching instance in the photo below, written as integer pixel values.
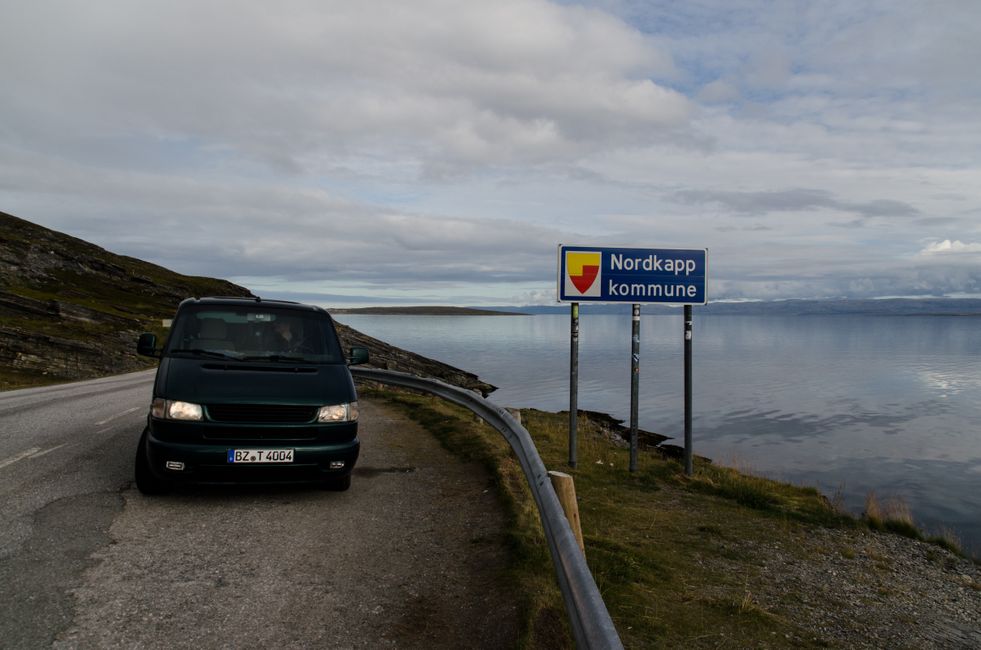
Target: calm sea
(850, 404)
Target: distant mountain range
(839, 307)
(432, 310)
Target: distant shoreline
(937, 307)
(426, 311)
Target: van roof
(238, 301)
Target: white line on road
(118, 415)
(21, 456)
(33, 452)
(47, 451)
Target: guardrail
(589, 619)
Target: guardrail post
(565, 490)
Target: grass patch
(804, 504)
(655, 540)
(12, 379)
(947, 539)
(894, 515)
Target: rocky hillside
(71, 310)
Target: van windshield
(254, 334)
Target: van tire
(146, 482)
(338, 484)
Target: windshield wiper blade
(276, 358)
(212, 353)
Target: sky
(438, 151)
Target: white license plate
(260, 455)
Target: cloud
(753, 228)
(442, 149)
(718, 91)
(442, 83)
(797, 200)
(948, 247)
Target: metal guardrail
(591, 624)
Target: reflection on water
(950, 380)
(890, 404)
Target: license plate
(260, 455)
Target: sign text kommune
(633, 275)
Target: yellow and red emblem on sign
(582, 273)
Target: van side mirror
(147, 345)
(357, 356)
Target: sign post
(573, 383)
(636, 276)
(689, 469)
(634, 384)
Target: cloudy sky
(437, 151)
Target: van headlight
(175, 410)
(338, 413)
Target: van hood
(210, 381)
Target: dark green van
(249, 390)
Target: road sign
(632, 275)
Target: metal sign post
(634, 385)
(573, 383)
(689, 469)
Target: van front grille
(262, 413)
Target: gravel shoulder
(411, 557)
(860, 589)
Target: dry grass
(891, 509)
(948, 539)
(894, 515)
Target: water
(848, 404)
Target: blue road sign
(633, 275)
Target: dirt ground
(412, 556)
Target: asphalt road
(411, 556)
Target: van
(249, 391)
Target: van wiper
(276, 358)
(200, 351)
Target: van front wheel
(338, 484)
